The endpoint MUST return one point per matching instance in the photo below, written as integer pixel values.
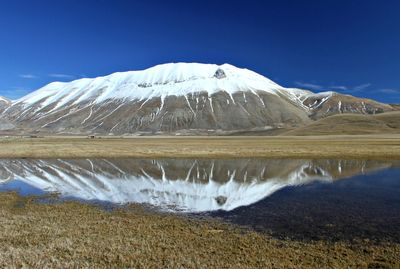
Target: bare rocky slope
(181, 98)
(5, 124)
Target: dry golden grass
(73, 235)
(371, 147)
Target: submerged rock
(221, 200)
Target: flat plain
(334, 146)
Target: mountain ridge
(176, 98)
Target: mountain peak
(177, 79)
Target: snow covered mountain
(188, 185)
(175, 98)
(4, 123)
(4, 103)
(3, 99)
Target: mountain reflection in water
(179, 184)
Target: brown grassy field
(73, 235)
(367, 146)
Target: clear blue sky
(348, 46)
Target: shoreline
(63, 235)
(70, 231)
(308, 147)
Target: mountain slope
(4, 123)
(4, 103)
(175, 98)
(342, 103)
(351, 124)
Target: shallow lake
(301, 199)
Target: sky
(348, 46)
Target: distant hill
(351, 124)
(395, 106)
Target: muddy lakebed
(299, 199)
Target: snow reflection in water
(179, 184)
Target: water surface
(312, 199)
